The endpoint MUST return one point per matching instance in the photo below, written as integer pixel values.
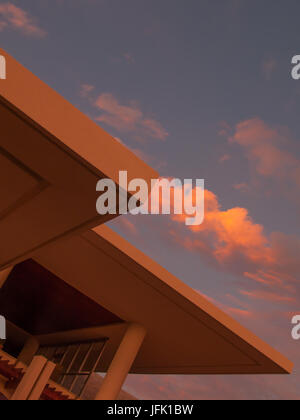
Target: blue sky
(199, 89)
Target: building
(79, 299)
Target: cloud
(205, 387)
(266, 266)
(223, 128)
(227, 234)
(86, 89)
(128, 225)
(16, 18)
(138, 152)
(270, 296)
(264, 148)
(241, 311)
(242, 187)
(269, 279)
(128, 118)
(232, 242)
(125, 118)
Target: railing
(12, 373)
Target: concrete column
(29, 350)
(29, 379)
(122, 363)
(4, 275)
(42, 382)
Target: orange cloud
(230, 232)
(203, 387)
(272, 297)
(224, 128)
(230, 310)
(264, 149)
(270, 279)
(243, 187)
(14, 17)
(231, 241)
(128, 118)
(86, 89)
(128, 225)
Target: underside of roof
(186, 333)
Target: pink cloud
(86, 89)
(128, 118)
(243, 187)
(14, 17)
(269, 296)
(223, 128)
(213, 387)
(240, 312)
(154, 128)
(264, 148)
(231, 241)
(128, 226)
(138, 152)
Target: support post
(29, 351)
(122, 363)
(42, 382)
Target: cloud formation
(240, 309)
(264, 147)
(232, 242)
(128, 118)
(86, 89)
(13, 17)
(213, 387)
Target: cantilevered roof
(51, 157)
(186, 333)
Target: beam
(122, 363)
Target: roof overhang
(51, 157)
(186, 333)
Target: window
(75, 363)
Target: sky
(197, 89)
